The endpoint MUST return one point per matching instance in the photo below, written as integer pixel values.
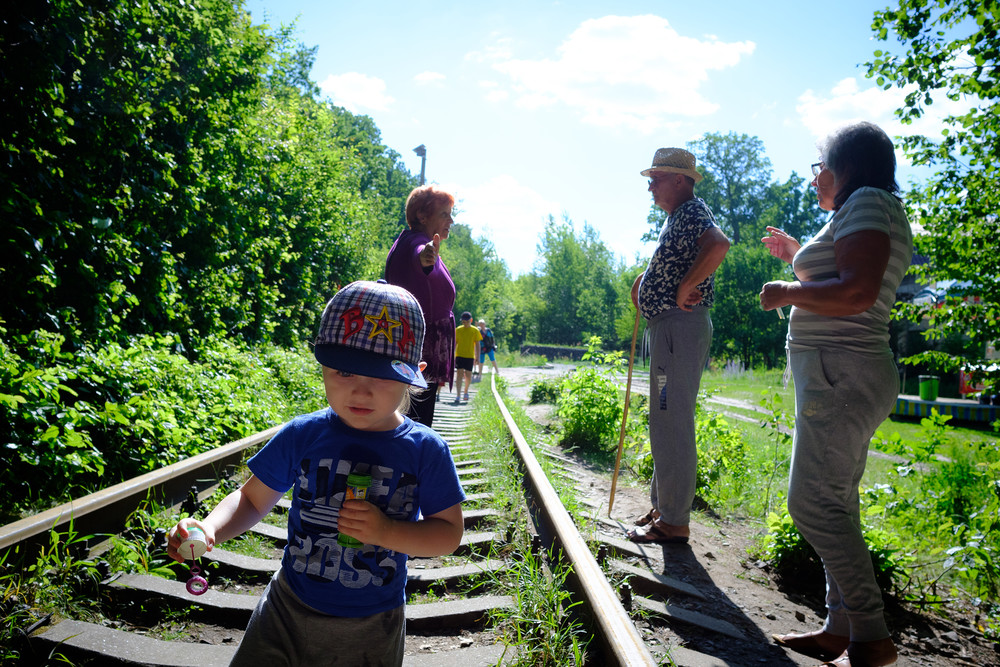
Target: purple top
(436, 293)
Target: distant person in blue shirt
(487, 348)
(340, 589)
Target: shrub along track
(155, 621)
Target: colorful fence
(959, 409)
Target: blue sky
(531, 109)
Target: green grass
(929, 496)
(930, 501)
(539, 629)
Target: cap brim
(369, 364)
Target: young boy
(467, 339)
(487, 348)
(334, 596)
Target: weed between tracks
(541, 628)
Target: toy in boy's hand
(194, 545)
(197, 584)
(192, 548)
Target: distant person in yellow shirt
(467, 339)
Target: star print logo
(382, 324)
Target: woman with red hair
(415, 264)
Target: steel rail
(618, 640)
(115, 503)
(621, 642)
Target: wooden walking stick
(628, 394)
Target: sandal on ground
(811, 645)
(658, 532)
(648, 517)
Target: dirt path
(739, 590)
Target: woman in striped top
(846, 380)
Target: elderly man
(674, 294)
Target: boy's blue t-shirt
(413, 475)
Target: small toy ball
(197, 584)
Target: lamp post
(422, 152)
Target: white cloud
(429, 77)
(493, 91)
(499, 50)
(846, 103)
(357, 92)
(633, 71)
(849, 102)
(509, 214)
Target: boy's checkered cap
(373, 329)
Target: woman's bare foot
(878, 653)
(819, 644)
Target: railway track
(454, 602)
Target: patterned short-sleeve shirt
(675, 252)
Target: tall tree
(950, 50)
(523, 321)
(793, 207)
(480, 277)
(169, 169)
(742, 330)
(738, 189)
(577, 286)
(737, 177)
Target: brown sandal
(649, 517)
(654, 533)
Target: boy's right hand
(179, 533)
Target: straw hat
(674, 160)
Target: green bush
(792, 559)
(942, 502)
(545, 390)
(76, 422)
(722, 452)
(590, 404)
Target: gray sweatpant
(840, 399)
(285, 632)
(679, 342)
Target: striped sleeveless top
(866, 332)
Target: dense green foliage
(578, 298)
(484, 282)
(742, 331)
(75, 422)
(168, 169)
(951, 49)
(171, 181)
(590, 406)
